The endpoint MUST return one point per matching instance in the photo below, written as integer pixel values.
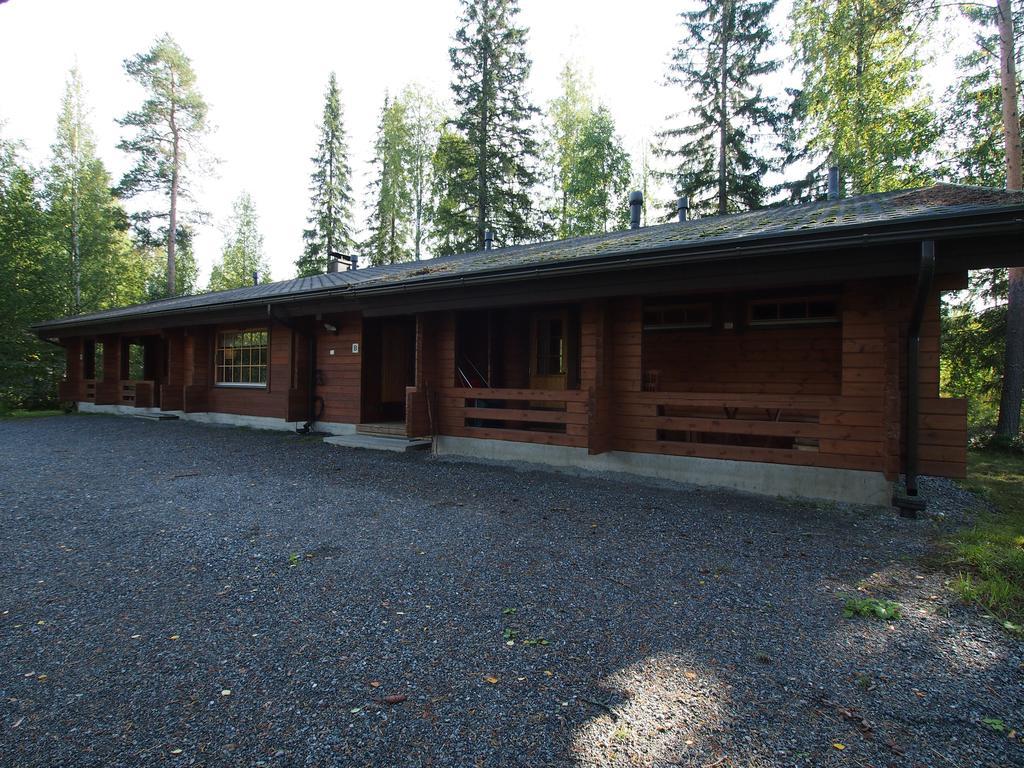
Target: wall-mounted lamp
(331, 328)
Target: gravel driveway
(187, 595)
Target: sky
(263, 69)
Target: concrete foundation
(846, 485)
(227, 419)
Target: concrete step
(154, 416)
(376, 443)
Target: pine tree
(186, 273)
(29, 264)
(860, 106)
(973, 117)
(330, 228)
(424, 118)
(243, 253)
(390, 221)
(723, 153)
(494, 118)
(452, 215)
(89, 225)
(589, 168)
(168, 130)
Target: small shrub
(872, 608)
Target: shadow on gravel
(190, 595)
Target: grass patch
(22, 414)
(871, 608)
(990, 555)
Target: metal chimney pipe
(833, 182)
(488, 239)
(255, 277)
(636, 202)
(683, 207)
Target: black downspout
(911, 503)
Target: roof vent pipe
(488, 239)
(833, 182)
(636, 202)
(255, 277)
(683, 207)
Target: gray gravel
(188, 595)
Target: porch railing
(552, 417)
(818, 430)
(137, 393)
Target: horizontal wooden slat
(521, 414)
(755, 427)
(567, 395)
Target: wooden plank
(520, 436)
(754, 427)
(482, 393)
(522, 414)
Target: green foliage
(243, 250)
(390, 223)
(186, 273)
(860, 105)
(973, 116)
(29, 368)
(994, 724)
(100, 267)
(166, 136)
(423, 120)
(589, 169)
(722, 62)
(490, 176)
(453, 228)
(990, 554)
(330, 216)
(973, 341)
(872, 608)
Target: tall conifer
(861, 106)
(725, 150)
(330, 227)
(494, 118)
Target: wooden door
(394, 349)
(549, 363)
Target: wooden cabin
(787, 351)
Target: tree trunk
(1008, 87)
(723, 124)
(76, 248)
(172, 223)
(485, 93)
(1008, 426)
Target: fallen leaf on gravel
(18, 722)
(175, 637)
(492, 680)
(42, 678)
(894, 747)
(375, 683)
(175, 751)
(839, 746)
(395, 698)
(136, 637)
(225, 692)
(356, 710)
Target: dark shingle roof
(884, 209)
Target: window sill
(232, 385)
